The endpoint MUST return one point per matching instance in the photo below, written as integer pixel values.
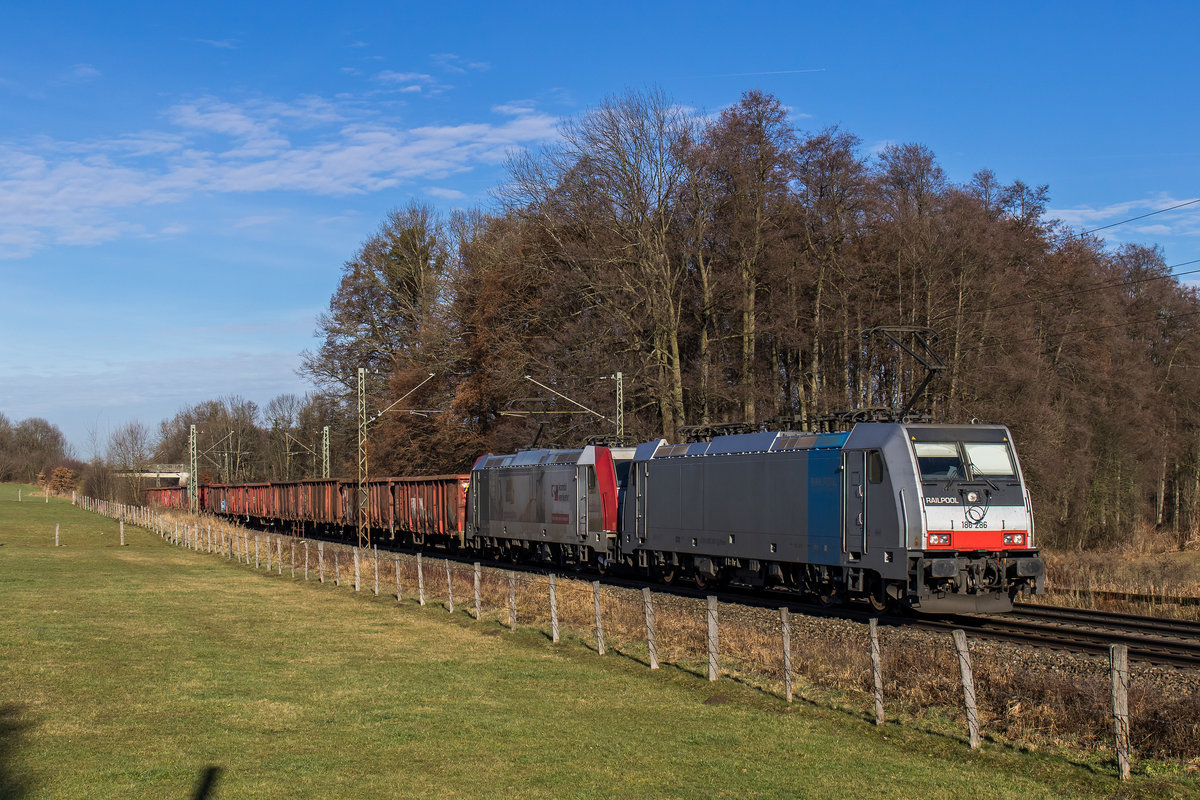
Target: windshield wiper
(975, 473)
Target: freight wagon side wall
(431, 506)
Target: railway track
(1149, 639)
(1109, 620)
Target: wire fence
(999, 691)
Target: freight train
(935, 518)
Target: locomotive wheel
(667, 573)
(705, 581)
(877, 601)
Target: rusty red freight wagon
(167, 497)
(416, 510)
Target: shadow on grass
(14, 782)
(208, 782)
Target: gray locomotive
(932, 517)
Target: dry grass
(1088, 579)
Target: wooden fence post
(968, 682)
(651, 640)
(375, 560)
(877, 671)
(420, 579)
(599, 620)
(279, 555)
(785, 623)
(356, 569)
(512, 601)
(321, 560)
(306, 559)
(713, 667)
(478, 599)
(337, 568)
(1118, 656)
(122, 524)
(256, 561)
(396, 567)
(293, 546)
(553, 609)
(55, 531)
(449, 588)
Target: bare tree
(607, 198)
(130, 450)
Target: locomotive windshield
(990, 460)
(939, 461)
(943, 461)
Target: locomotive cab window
(939, 461)
(874, 467)
(990, 460)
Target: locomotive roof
(525, 458)
(771, 441)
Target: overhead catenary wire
(1098, 287)
(1141, 216)
(1160, 318)
(1078, 291)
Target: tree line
(30, 450)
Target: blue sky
(179, 186)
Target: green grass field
(128, 671)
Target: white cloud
(388, 76)
(445, 194)
(457, 64)
(880, 146)
(81, 73)
(514, 107)
(220, 44)
(411, 82)
(85, 192)
(1183, 221)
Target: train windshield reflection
(943, 461)
(939, 461)
(990, 460)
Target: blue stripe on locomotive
(824, 484)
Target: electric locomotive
(930, 517)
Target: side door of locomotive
(581, 501)
(854, 501)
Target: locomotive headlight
(972, 497)
(1014, 538)
(939, 538)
